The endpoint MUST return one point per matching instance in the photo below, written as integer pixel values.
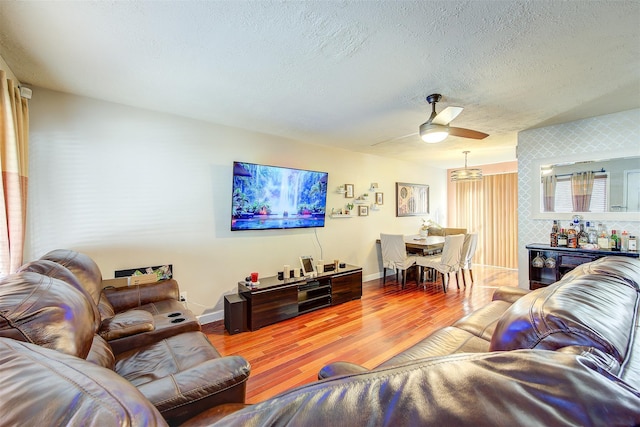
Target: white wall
(132, 188)
(595, 135)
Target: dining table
(417, 244)
(420, 245)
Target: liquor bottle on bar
(614, 241)
(562, 239)
(572, 238)
(553, 237)
(593, 234)
(624, 241)
(603, 238)
(583, 237)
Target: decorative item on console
(426, 224)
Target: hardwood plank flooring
(368, 331)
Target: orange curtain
(490, 208)
(14, 160)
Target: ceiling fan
(437, 127)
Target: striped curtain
(14, 160)
(490, 208)
(549, 192)
(581, 190)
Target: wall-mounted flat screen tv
(273, 197)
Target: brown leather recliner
(132, 316)
(181, 375)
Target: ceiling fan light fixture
(433, 133)
(466, 174)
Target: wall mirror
(595, 185)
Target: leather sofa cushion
(482, 322)
(127, 323)
(448, 340)
(617, 266)
(46, 311)
(88, 274)
(517, 388)
(165, 325)
(165, 358)
(132, 297)
(164, 307)
(42, 387)
(590, 310)
(58, 271)
(101, 354)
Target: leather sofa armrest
(131, 322)
(215, 382)
(340, 368)
(509, 294)
(126, 298)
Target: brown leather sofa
(57, 303)
(566, 354)
(131, 316)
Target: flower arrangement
(426, 224)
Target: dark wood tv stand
(275, 300)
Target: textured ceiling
(342, 73)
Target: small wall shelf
(341, 216)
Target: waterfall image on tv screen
(272, 197)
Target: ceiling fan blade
(397, 138)
(467, 133)
(445, 116)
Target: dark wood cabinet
(346, 287)
(274, 300)
(563, 260)
(268, 306)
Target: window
(599, 196)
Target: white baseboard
(371, 276)
(211, 317)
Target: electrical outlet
(183, 296)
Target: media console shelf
(564, 260)
(276, 300)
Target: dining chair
(447, 262)
(468, 251)
(394, 256)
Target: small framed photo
(363, 210)
(379, 199)
(348, 191)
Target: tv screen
(273, 197)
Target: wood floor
(367, 331)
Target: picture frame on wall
(363, 210)
(348, 191)
(412, 199)
(379, 199)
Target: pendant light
(466, 174)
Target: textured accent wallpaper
(599, 134)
